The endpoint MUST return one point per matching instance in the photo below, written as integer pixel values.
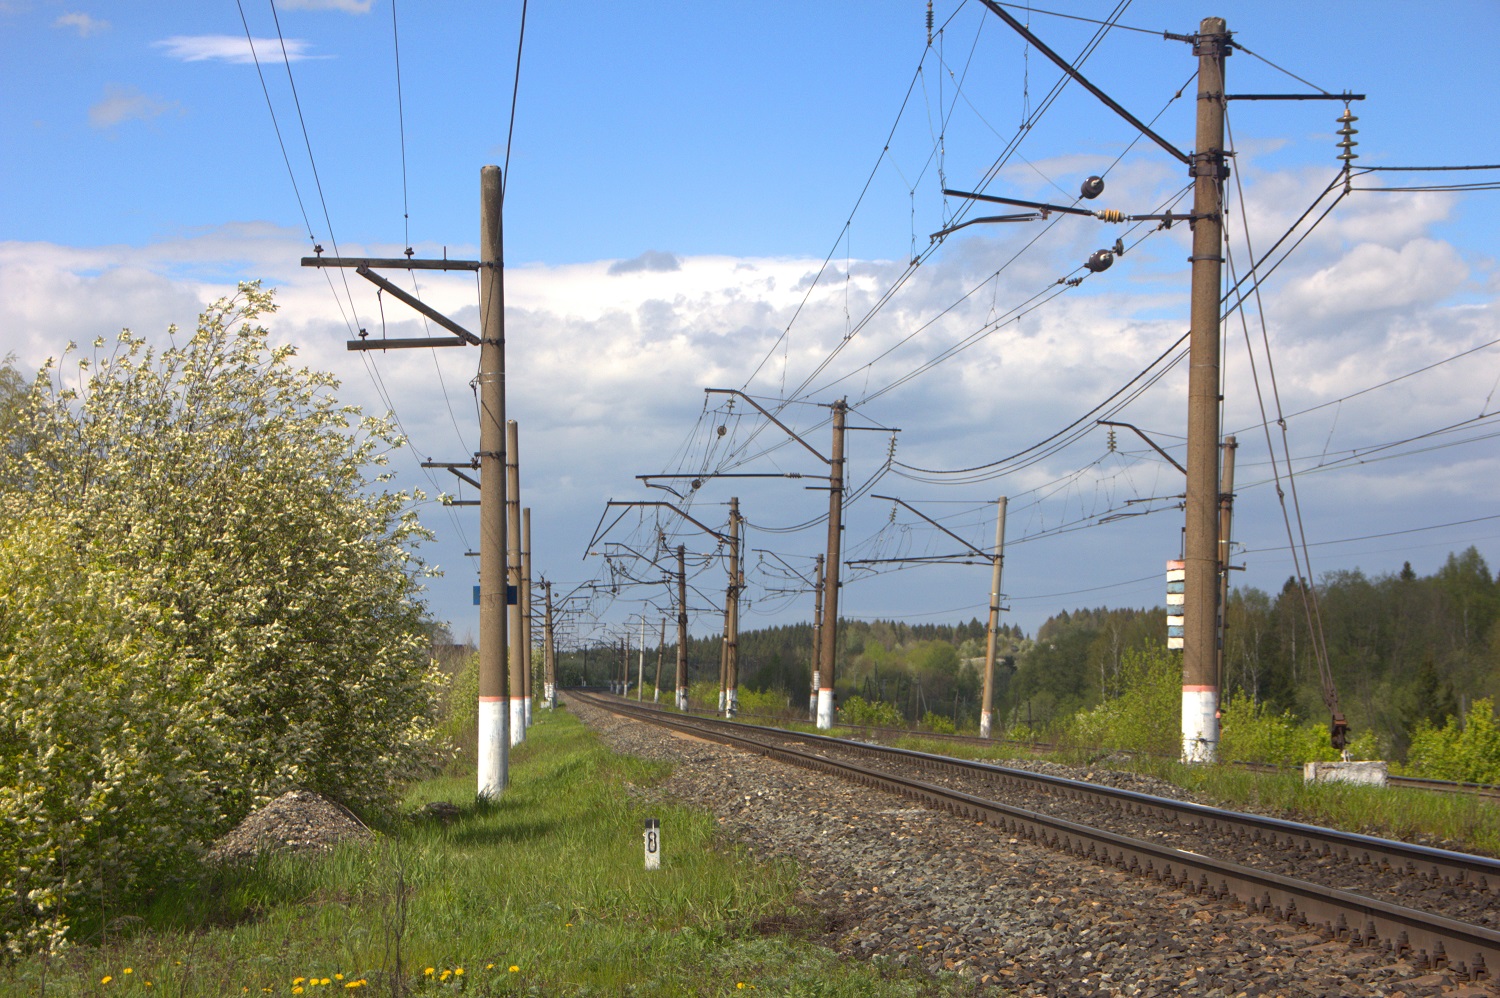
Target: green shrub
(939, 724)
(874, 713)
(1151, 690)
(1249, 732)
(1468, 752)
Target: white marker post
(653, 843)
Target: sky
(731, 195)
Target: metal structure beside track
(1428, 940)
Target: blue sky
(732, 140)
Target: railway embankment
(917, 888)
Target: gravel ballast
(924, 889)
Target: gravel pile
(925, 889)
(297, 821)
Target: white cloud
(82, 23)
(123, 103)
(606, 377)
(232, 48)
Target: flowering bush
(206, 602)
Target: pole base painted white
(825, 709)
(494, 748)
(984, 724)
(549, 695)
(1200, 724)
(528, 712)
(722, 701)
(731, 703)
(517, 720)
(682, 703)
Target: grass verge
(540, 893)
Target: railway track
(1432, 907)
(885, 734)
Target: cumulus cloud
(232, 48)
(122, 103)
(606, 380)
(81, 23)
(651, 261)
(1371, 277)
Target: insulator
(1346, 134)
(1111, 441)
(1110, 215)
(929, 22)
(1092, 187)
(723, 430)
(697, 484)
(1099, 261)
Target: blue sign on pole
(512, 597)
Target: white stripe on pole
(494, 755)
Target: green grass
(548, 880)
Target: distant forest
(1402, 649)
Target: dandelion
(514, 969)
(297, 980)
(489, 966)
(429, 971)
(323, 981)
(105, 979)
(740, 985)
(458, 971)
(128, 970)
(297, 990)
(338, 977)
(445, 975)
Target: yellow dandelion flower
(128, 970)
(297, 980)
(740, 985)
(338, 977)
(458, 971)
(445, 975)
(514, 969)
(489, 966)
(105, 979)
(297, 990)
(429, 971)
(323, 981)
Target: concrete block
(1368, 773)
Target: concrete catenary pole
(1200, 692)
(526, 651)
(516, 659)
(661, 653)
(817, 640)
(494, 737)
(682, 622)
(640, 665)
(732, 616)
(549, 650)
(829, 639)
(986, 710)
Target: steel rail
(1428, 940)
(1490, 790)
